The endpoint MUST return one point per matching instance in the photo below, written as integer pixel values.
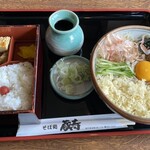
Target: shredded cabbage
(71, 74)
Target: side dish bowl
(126, 105)
(70, 77)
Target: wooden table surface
(133, 142)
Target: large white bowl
(135, 32)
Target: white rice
(19, 79)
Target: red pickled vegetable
(4, 90)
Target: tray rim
(75, 135)
(90, 133)
(80, 10)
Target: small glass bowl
(79, 90)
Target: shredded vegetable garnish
(70, 74)
(105, 67)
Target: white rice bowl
(19, 78)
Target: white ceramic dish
(135, 32)
(78, 91)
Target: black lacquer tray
(94, 25)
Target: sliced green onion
(70, 74)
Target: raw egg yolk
(142, 70)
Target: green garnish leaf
(105, 67)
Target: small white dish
(69, 78)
